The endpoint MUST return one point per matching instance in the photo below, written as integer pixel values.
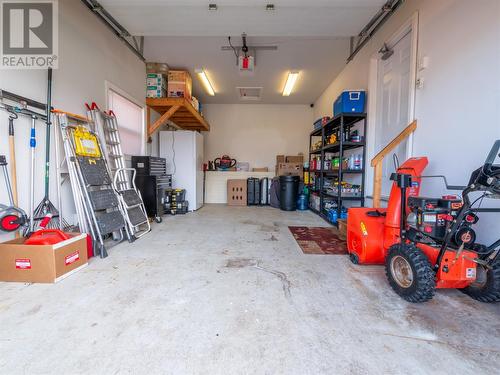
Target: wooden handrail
(379, 158)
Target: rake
(46, 207)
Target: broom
(46, 208)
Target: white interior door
(393, 104)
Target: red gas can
(46, 237)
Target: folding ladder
(106, 126)
(97, 204)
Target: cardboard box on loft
(179, 84)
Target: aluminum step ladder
(106, 126)
(98, 207)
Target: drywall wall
(90, 55)
(457, 107)
(256, 133)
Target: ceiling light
(212, 6)
(204, 79)
(290, 82)
(270, 7)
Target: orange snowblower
(429, 243)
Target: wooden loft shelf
(178, 110)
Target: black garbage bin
(289, 190)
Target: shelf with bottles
(350, 164)
(335, 171)
(347, 190)
(332, 213)
(348, 119)
(337, 152)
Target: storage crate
(350, 101)
(236, 192)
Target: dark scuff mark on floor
(248, 262)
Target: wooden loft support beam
(178, 110)
(162, 120)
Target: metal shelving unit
(341, 124)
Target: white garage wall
(90, 54)
(256, 133)
(457, 108)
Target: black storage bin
(289, 190)
(253, 191)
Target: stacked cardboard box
(292, 165)
(180, 84)
(156, 85)
(156, 80)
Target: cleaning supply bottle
(333, 215)
(343, 213)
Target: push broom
(46, 208)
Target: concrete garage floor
(228, 291)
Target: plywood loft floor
(227, 290)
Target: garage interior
(250, 187)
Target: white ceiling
(319, 61)
(233, 17)
(312, 36)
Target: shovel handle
(12, 156)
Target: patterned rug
(319, 240)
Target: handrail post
(377, 184)
(378, 160)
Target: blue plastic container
(350, 101)
(302, 203)
(333, 216)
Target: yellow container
(86, 143)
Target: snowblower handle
(489, 168)
(449, 187)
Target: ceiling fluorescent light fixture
(290, 82)
(204, 79)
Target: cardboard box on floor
(237, 192)
(42, 263)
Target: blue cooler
(350, 101)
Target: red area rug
(319, 240)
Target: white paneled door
(393, 103)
